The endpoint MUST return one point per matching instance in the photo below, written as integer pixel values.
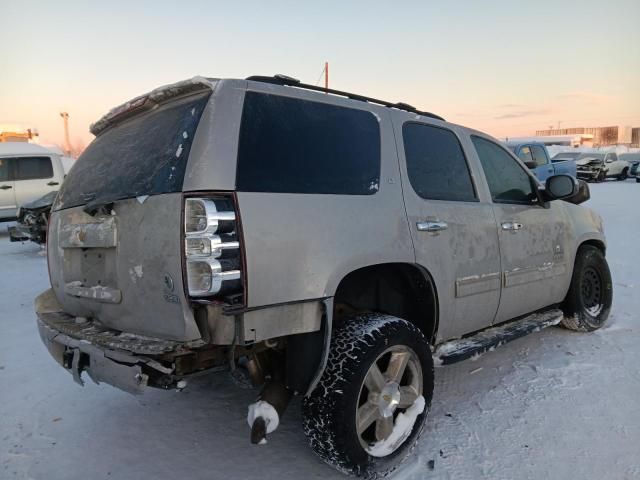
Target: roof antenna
(326, 76)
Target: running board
(487, 340)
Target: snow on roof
(23, 148)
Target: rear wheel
(372, 400)
(587, 305)
(624, 174)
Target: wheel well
(595, 243)
(399, 289)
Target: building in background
(574, 141)
(601, 136)
(13, 134)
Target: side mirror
(531, 164)
(609, 160)
(560, 187)
(583, 194)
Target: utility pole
(67, 143)
(326, 75)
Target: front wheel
(372, 400)
(624, 174)
(588, 302)
(602, 176)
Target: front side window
(32, 168)
(508, 182)
(436, 165)
(4, 169)
(288, 145)
(538, 155)
(525, 154)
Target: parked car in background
(597, 167)
(27, 172)
(634, 164)
(536, 157)
(33, 220)
(219, 233)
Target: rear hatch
(115, 236)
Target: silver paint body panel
(299, 247)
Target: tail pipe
(264, 415)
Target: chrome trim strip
(521, 276)
(476, 284)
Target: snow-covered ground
(555, 404)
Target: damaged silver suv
(317, 242)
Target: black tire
(588, 302)
(624, 174)
(330, 411)
(638, 179)
(602, 176)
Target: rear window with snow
(143, 155)
(289, 145)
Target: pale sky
(505, 67)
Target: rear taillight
(212, 248)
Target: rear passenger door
(533, 237)
(454, 232)
(33, 178)
(8, 205)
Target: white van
(27, 172)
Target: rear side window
(32, 168)
(436, 164)
(289, 145)
(143, 155)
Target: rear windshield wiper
(98, 206)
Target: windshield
(144, 155)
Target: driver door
(532, 237)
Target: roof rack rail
(294, 82)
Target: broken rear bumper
(124, 361)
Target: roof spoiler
(150, 100)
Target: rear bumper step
(457, 350)
(50, 313)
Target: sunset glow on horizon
(505, 68)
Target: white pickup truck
(27, 172)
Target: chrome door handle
(432, 226)
(513, 226)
